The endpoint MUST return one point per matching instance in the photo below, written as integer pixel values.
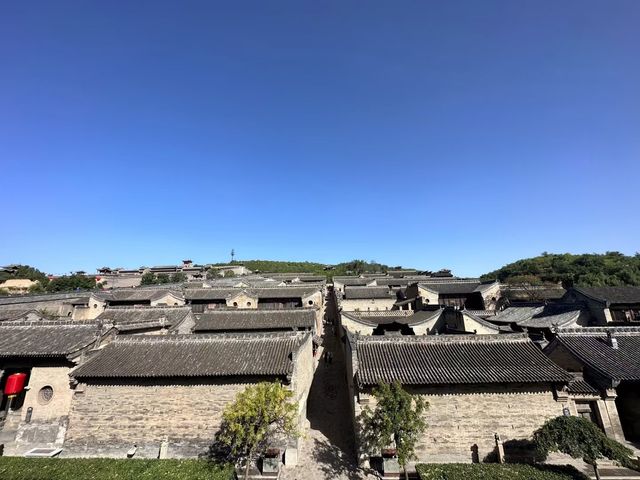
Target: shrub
(492, 471)
(18, 468)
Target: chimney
(612, 341)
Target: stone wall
(464, 417)
(107, 420)
(303, 377)
(46, 424)
(367, 305)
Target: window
(310, 302)
(95, 305)
(45, 394)
(248, 304)
(235, 304)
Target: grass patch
(18, 468)
(494, 471)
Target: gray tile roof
(355, 281)
(137, 294)
(15, 313)
(195, 356)
(134, 318)
(580, 386)
(540, 316)
(269, 292)
(612, 294)
(452, 288)
(360, 293)
(210, 293)
(421, 316)
(591, 347)
(454, 359)
(251, 319)
(45, 339)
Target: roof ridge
(487, 338)
(598, 330)
(202, 337)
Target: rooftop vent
(612, 341)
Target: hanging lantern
(15, 384)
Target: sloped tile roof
(540, 316)
(194, 356)
(132, 318)
(454, 359)
(251, 319)
(137, 294)
(590, 346)
(15, 313)
(267, 292)
(355, 281)
(612, 294)
(582, 387)
(45, 339)
(452, 288)
(361, 293)
(418, 317)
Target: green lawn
(17, 468)
(494, 471)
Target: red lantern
(15, 383)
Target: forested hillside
(352, 267)
(611, 268)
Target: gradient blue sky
(429, 134)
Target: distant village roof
(361, 293)
(50, 339)
(454, 359)
(591, 346)
(195, 356)
(252, 319)
(394, 316)
(266, 292)
(135, 318)
(456, 287)
(539, 316)
(16, 313)
(612, 294)
(353, 280)
(137, 294)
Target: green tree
(608, 269)
(178, 277)
(260, 414)
(579, 438)
(148, 279)
(229, 273)
(212, 274)
(163, 278)
(37, 288)
(398, 420)
(71, 282)
(25, 271)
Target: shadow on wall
(515, 451)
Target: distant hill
(352, 267)
(609, 269)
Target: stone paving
(328, 448)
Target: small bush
(475, 471)
(18, 468)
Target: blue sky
(429, 134)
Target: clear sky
(459, 134)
